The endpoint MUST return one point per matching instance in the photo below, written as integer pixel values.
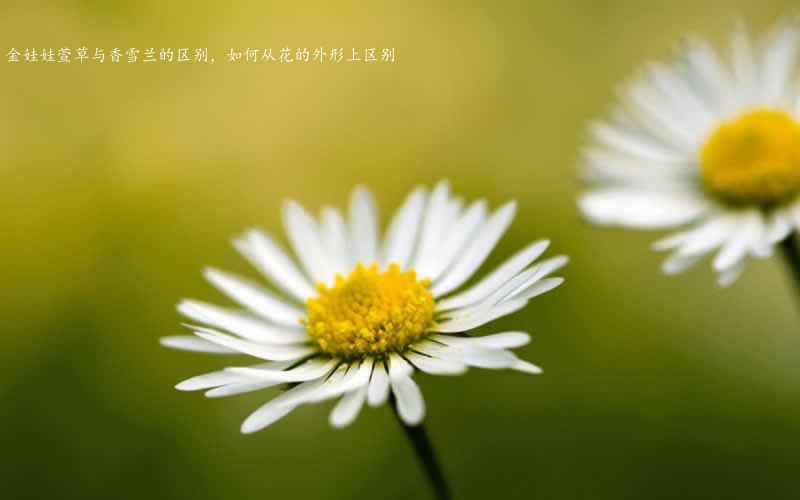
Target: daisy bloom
(357, 316)
(706, 142)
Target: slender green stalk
(792, 257)
(423, 448)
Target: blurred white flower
(707, 143)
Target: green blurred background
(120, 183)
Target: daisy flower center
(754, 158)
(370, 312)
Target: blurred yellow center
(754, 158)
(370, 312)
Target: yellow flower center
(370, 312)
(754, 158)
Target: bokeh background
(118, 184)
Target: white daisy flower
(705, 142)
(362, 315)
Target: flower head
(359, 316)
(707, 143)
(370, 312)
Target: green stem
(423, 448)
(792, 257)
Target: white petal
(348, 407)
(277, 408)
(363, 226)
(353, 377)
(674, 240)
(463, 324)
(678, 91)
(615, 167)
(633, 142)
(701, 239)
(364, 373)
(194, 344)
(480, 248)
(223, 377)
(731, 254)
(729, 276)
(335, 241)
(520, 285)
(515, 284)
(748, 234)
(378, 390)
(310, 370)
(399, 367)
(744, 65)
(240, 324)
(504, 340)
(401, 237)
(454, 210)
(239, 388)
(637, 208)
(265, 416)
(358, 375)
(208, 380)
(538, 288)
(458, 236)
(305, 238)
(285, 403)
(549, 266)
(526, 367)
(496, 278)
(779, 226)
(779, 63)
(432, 224)
(760, 245)
(331, 386)
(470, 355)
(709, 72)
(262, 351)
(659, 116)
(410, 404)
(436, 366)
(269, 258)
(525, 285)
(677, 263)
(255, 298)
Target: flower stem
(427, 457)
(792, 254)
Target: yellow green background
(120, 183)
